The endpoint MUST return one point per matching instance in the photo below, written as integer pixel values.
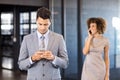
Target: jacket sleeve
(61, 60)
(24, 59)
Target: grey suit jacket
(43, 69)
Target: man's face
(43, 25)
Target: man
(43, 63)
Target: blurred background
(18, 18)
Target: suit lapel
(35, 41)
(51, 40)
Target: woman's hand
(90, 34)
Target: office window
(116, 23)
(118, 48)
(33, 22)
(33, 17)
(24, 17)
(6, 39)
(6, 23)
(24, 23)
(7, 62)
(24, 29)
(27, 22)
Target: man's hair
(43, 13)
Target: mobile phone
(90, 32)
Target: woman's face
(93, 28)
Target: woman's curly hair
(100, 22)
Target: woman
(96, 48)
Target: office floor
(11, 75)
(14, 75)
(17, 75)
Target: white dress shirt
(45, 40)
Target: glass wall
(70, 17)
(6, 38)
(33, 21)
(116, 23)
(6, 23)
(64, 21)
(27, 23)
(109, 10)
(15, 22)
(24, 23)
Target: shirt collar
(45, 35)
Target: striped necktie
(42, 45)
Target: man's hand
(48, 55)
(37, 56)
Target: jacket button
(43, 74)
(43, 64)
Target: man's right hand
(37, 56)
